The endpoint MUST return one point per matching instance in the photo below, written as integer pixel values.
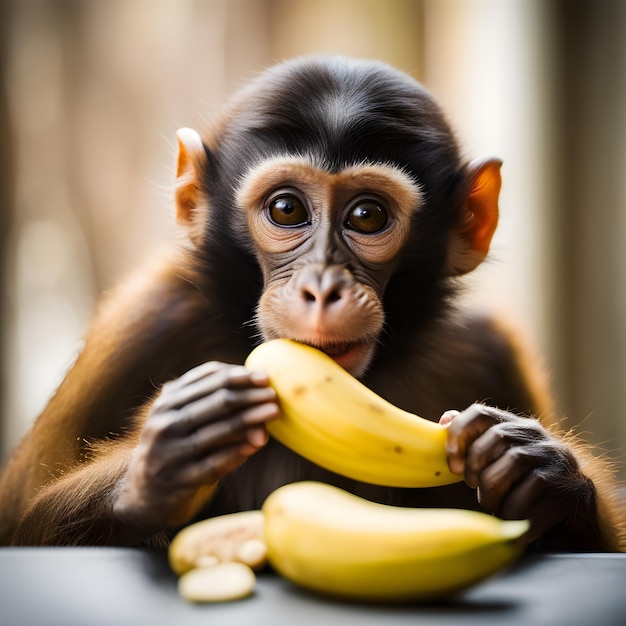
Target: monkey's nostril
(333, 296)
(324, 299)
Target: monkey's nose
(311, 294)
(323, 286)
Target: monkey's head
(330, 199)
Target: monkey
(329, 203)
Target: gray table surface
(111, 586)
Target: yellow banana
(332, 419)
(329, 541)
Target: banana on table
(330, 541)
(333, 542)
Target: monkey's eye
(367, 217)
(288, 210)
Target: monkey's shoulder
(154, 323)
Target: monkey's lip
(337, 349)
(346, 354)
(353, 356)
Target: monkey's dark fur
(201, 305)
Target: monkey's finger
(198, 372)
(518, 502)
(245, 426)
(482, 452)
(223, 404)
(231, 380)
(496, 480)
(233, 376)
(209, 469)
(219, 405)
(533, 499)
(464, 429)
(176, 395)
(516, 431)
(447, 417)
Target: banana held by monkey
(333, 420)
(329, 541)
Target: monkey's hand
(202, 426)
(521, 471)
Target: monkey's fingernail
(457, 466)
(259, 378)
(448, 416)
(257, 437)
(261, 413)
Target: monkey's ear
(191, 157)
(472, 237)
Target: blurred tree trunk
(590, 98)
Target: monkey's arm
(523, 471)
(528, 468)
(130, 490)
(113, 375)
(62, 480)
(76, 508)
(607, 510)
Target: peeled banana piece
(237, 537)
(329, 541)
(333, 420)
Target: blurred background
(92, 92)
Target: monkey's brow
(298, 169)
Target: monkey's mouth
(353, 356)
(337, 349)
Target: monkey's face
(327, 244)
(344, 180)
